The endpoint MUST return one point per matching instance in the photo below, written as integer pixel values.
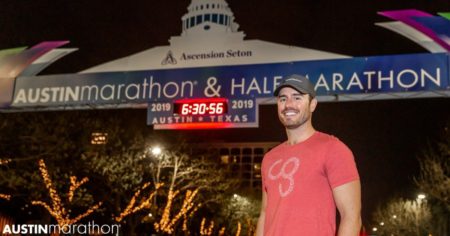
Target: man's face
(294, 108)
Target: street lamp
(156, 150)
(421, 196)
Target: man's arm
(262, 215)
(348, 202)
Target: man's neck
(299, 134)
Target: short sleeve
(340, 164)
(263, 176)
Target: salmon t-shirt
(299, 180)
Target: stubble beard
(295, 124)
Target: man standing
(309, 175)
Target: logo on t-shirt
(290, 165)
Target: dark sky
(385, 136)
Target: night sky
(386, 136)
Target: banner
(360, 75)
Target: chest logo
(292, 164)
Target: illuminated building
(242, 160)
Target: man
(309, 175)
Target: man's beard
(295, 124)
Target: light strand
(5, 196)
(132, 208)
(166, 224)
(57, 206)
(185, 219)
(222, 231)
(74, 185)
(88, 212)
(57, 209)
(251, 227)
(165, 218)
(206, 231)
(238, 231)
(4, 161)
(185, 208)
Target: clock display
(207, 106)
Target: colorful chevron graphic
(429, 31)
(21, 61)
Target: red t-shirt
(299, 180)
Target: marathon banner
(359, 75)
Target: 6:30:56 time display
(213, 106)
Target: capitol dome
(206, 19)
(205, 13)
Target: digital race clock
(204, 106)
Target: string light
(5, 196)
(238, 232)
(57, 209)
(191, 214)
(165, 224)
(185, 219)
(251, 227)
(165, 219)
(202, 226)
(74, 185)
(162, 225)
(185, 208)
(4, 161)
(207, 231)
(222, 231)
(131, 208)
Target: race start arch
(210, 77)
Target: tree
(62, 140)
(434, 180)
(28, 137)
(117, 171)
(244, 208)
(434, 176)
(404, 217)
(185, 172)
(58, 208)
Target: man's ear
(313, 105)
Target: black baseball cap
(297, 82)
